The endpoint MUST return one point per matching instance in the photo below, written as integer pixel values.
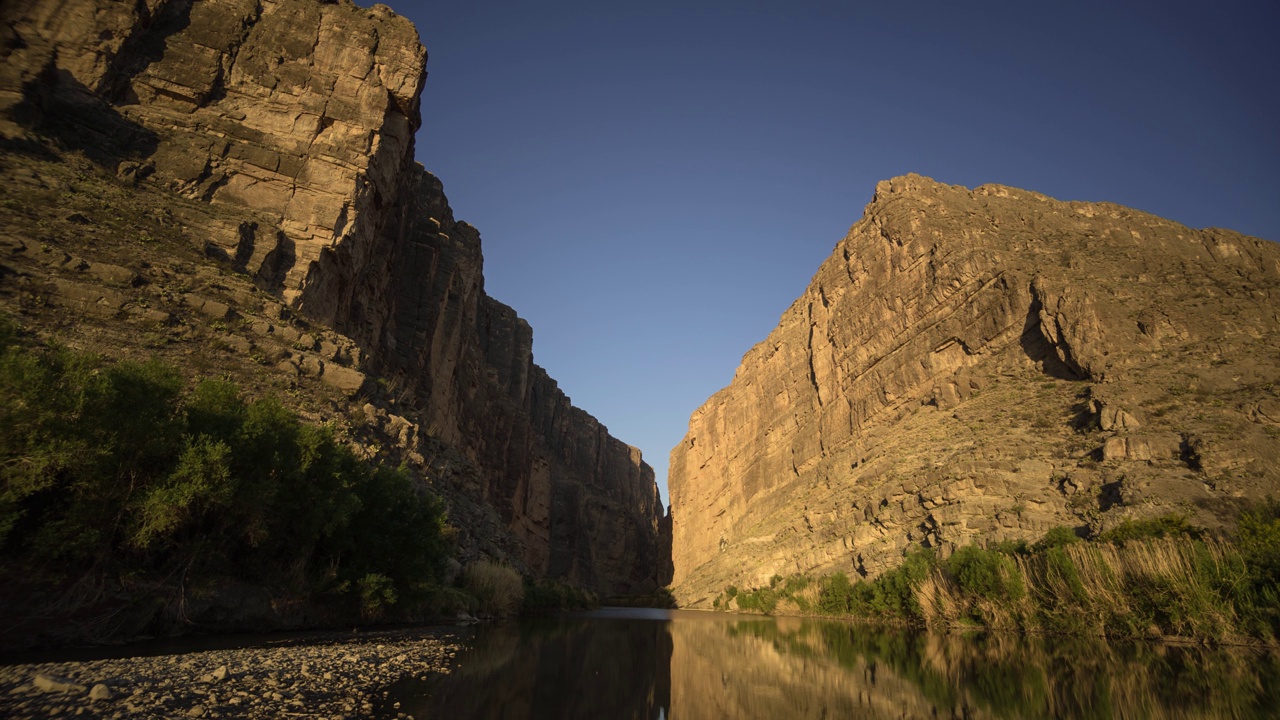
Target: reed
(1159, 578)
(499, 588)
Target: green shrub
(986, 573)
(1056, 537)
(1011, 547)
(796, 584)
(891, 595)
(1257, 600)
(763, 600)
(1152, 528)
(111, 466)
(835, 594)
(438, 601)
(898, 593)
(1259, 541)
(199, 485)
(377, 595)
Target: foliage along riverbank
(1158, 578)
(132, 503)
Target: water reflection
(652, 665)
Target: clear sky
(655, 182)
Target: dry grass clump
(1165, 586)
(1174, 586)
(1149, 578)
(499, 588)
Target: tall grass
(499, 588)
(1156, 578)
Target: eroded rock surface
(285, 128)
(980, 365)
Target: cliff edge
(276, 139)
(982, 365)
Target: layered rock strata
(981, 365)
(291, 125)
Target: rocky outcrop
(300, 113)
(980, 365)
(287, 128)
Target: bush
(835, 596)
(1258, 602)
(895, 591)
(763, 600)
(1150, 529)
(796, 584)
(551, 595)
(986, 573)
(377, 594)
(439, 601)
(766, 599)
(891, 595)
(112, 467)
(1259, 541)
(498, 588)
(1056, 537)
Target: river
(685, 665)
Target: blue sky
(656, 182)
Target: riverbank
(335, 677)
(1144, 580)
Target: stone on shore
(55, 684)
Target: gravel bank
(327, 678)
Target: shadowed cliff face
(984, 365)
(291, 123)
(583, 504)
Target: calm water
(680, 665)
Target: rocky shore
(338, 677)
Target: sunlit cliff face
(977, 366)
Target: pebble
(330, 677)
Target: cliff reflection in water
(651, 665)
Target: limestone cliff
(979, 365)
(283, 132)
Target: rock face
(291, 125)
(300, 113)
(984, 365)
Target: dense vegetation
(551, 596)
(115, 472)
(1148, 578)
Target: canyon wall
(982, 365)
(288, 127)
